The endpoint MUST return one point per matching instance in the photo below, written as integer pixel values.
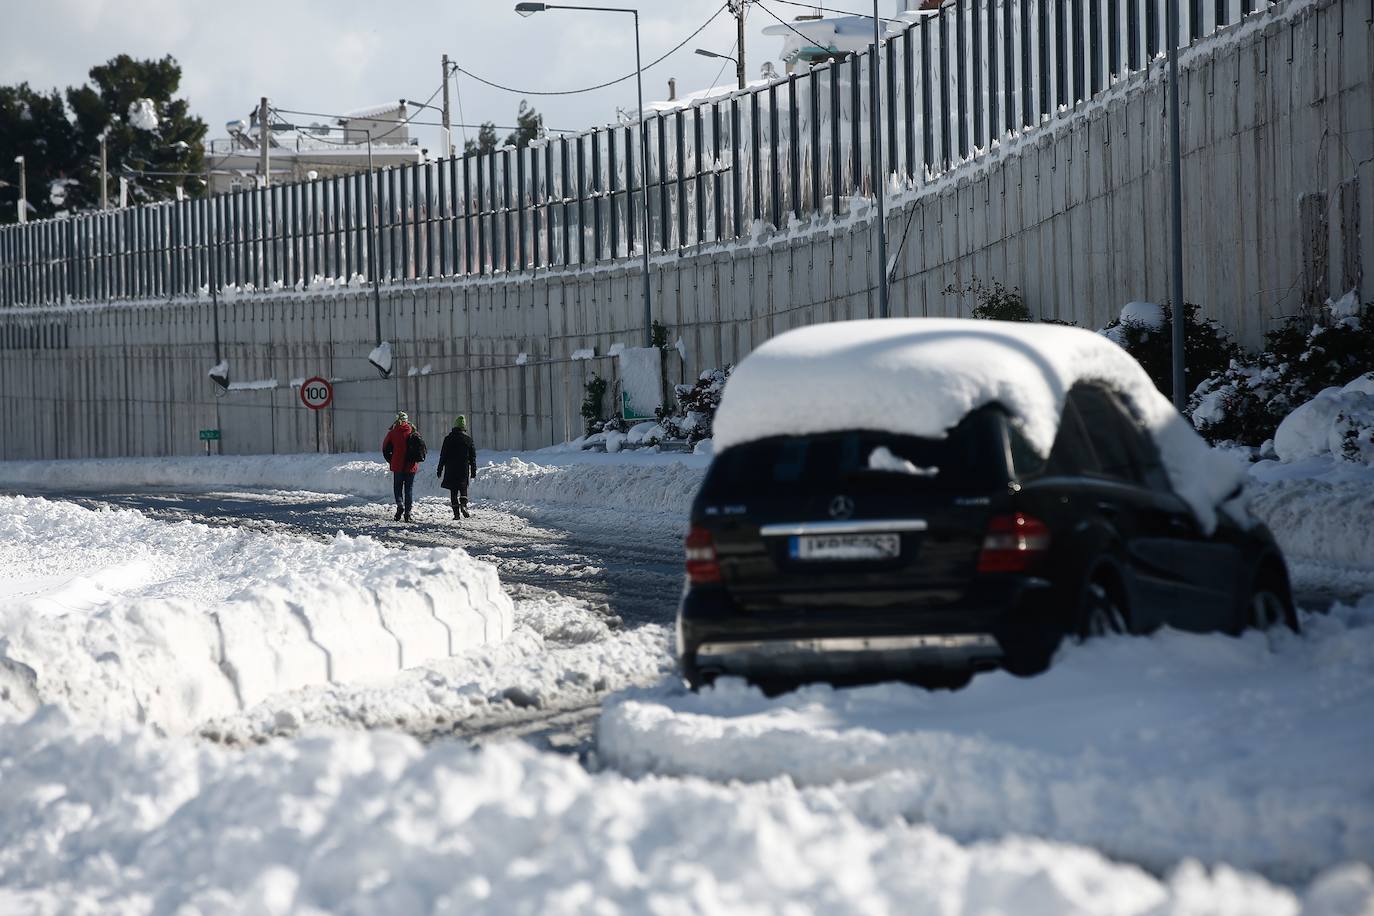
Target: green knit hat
(461, 422)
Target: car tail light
(702, 566)
(1014, 543)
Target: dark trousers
(403, 485)
(456, 494)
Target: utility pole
(448, 124)
(264, 143)
(104, 175)
(737, 7)
(1176, 205)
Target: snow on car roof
(921, 376)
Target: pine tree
(35, 126)
(486, 140)
(58, 134)
(156, 154)
(529, 126)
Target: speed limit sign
(316, 393)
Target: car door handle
(1107, 508)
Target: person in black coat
(458, 465)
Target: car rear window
(972, 458)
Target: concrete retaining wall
(1278, 137)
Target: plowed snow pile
(376, 823)
(1149, 749)
(121, 619)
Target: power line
(804, 38)
(671, 52)
(817, 6)
(399, 124)
(344, 117)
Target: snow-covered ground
(376, 823)
(1253, 751)
(1178, 773)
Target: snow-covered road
(1176, 773)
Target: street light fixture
(705, 53)
(529, 9)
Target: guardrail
(952, 83)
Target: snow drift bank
(1150, 749)
(1321, 510)
(376, 823)
(122, 619)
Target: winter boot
(408, 518)
(463, 507)
(456, 513)
(397, 516)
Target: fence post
(794, 145)
(699, 174)
(680, 132)
(736, 185)
(774, 163)
(630, 222)
(613, 179)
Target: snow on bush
(695, 412)
(122, 619)
(1246, 400)
(1145, 330)
(1253, 751)
(378, 823)
(921, 376)
(1337, 422)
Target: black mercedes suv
(863, 555)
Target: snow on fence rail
(952, 82)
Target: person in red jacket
(399, 454)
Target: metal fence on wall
(951, 83)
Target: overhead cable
(631, 75)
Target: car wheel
(1270, 607)
(1102, 612)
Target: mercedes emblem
(841, 507)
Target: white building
(298, 152)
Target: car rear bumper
(1011, 617)
(844, 656)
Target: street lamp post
(529, 9)
(1176, 206)
(23, 191)
(372, 247)
(879, 176)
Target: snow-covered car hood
(921, 376)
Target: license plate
(845, 546)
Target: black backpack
(416, 450)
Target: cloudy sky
(335, 55)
